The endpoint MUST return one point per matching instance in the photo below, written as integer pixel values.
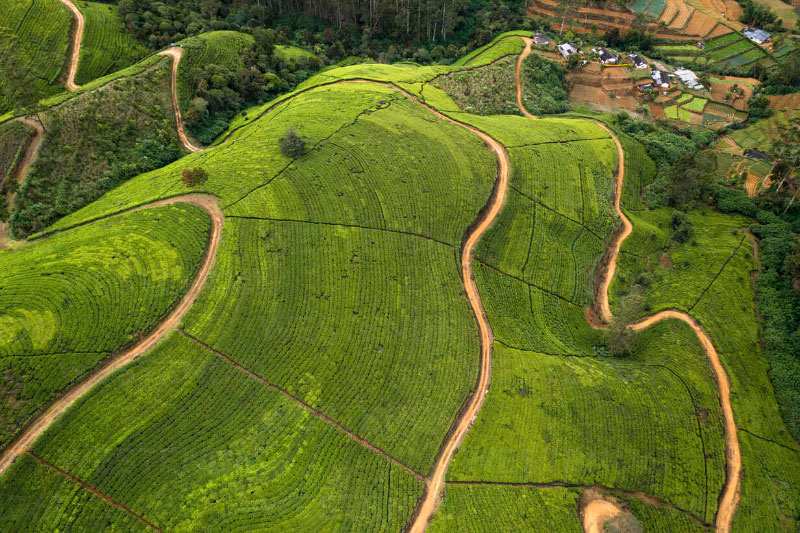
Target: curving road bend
(525, 53)
(733, 458)
(175, 53)
(77, 37)
(170, 323)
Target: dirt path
(176, 52)
(21, 172)
(606, 271)
(525, 53)
(596, 513)
(117, 361)
(77, 37)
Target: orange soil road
(596, 513)
(117, 361)
(175, 53)
(77, 37)
(21, 172)
(525, 53)
(733, 458)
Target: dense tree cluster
(423, 30)
(759, 15)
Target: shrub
(291, 144)
(194, 176)
(682, 229)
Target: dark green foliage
(489, 90)
(291, 144)
(191, 177)
(682, 229)
(14, 137)
(93, 143)
(733, 200)
(623, 523)
(543, 82)
(760, 15)
(778, 306)
(635, 40)
(620, 338)
(785, 78)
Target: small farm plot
(106, 46)
(68, 301)
(363, 324)
(622, 423)
(190, 442)
(488, 509)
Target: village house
(756, 35)
(660, 78)
(689, 79)
(606, 57)
(638, 61)
(541, 39)
(567, 50)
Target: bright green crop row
(364, 325)
(42, 30)
(29, 484)
(491, 509)
(650, 423)
(504, 44)
(106, 46)
(191, 443)
(69, 300)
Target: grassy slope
(507, 509)
(42, 29)
(93, 141)
(106, 46)
(68, 301)
(191, 443)
(384, 321)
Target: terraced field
(329, 370)
(69, 301)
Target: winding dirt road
(115, 362)
(608, 266)
(175, 53)
(21, 172)
(525, 53)
(77, 37)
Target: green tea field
(388, 299)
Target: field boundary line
(699, 432)
(315, 412)
(769, 440)
(528, 283)
(565, 141)
(108, 499)
(728, 260)
(650, 500)
(548, 354)
(342, 225)
(539, 202)
(171, 320)
(604, 274)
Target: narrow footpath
(21, 173)
(207, 202)
(75, 47)
(176, 52)
(608, 266)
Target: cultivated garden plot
(68, 301)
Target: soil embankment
(175, 53)
(117, 361)
(75, 47)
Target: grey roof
(637, 59)
(757, 35)
(541, 38)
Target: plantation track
(21, 172)
(175, 53)
(606, 270)
(117, 361)
(525, 53)
(77, 37)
